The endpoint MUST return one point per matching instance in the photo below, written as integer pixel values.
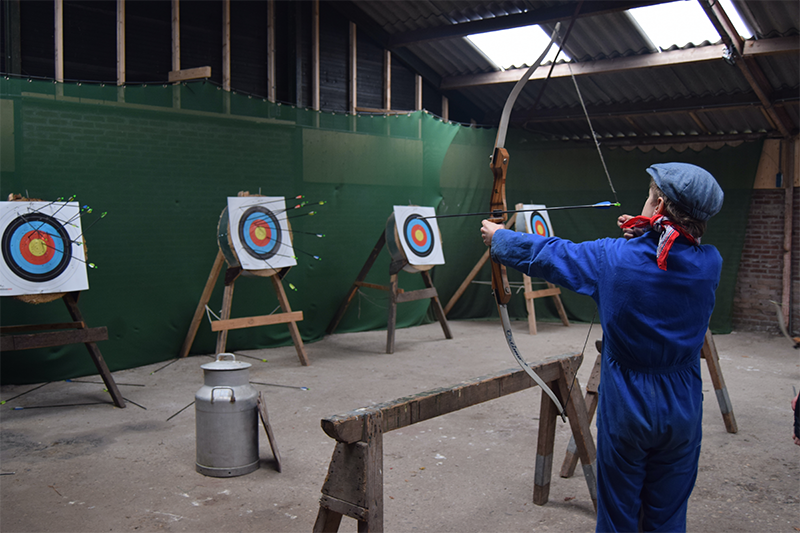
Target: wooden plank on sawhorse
(354, 484)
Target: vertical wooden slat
(59, 40)
(418, 92)
(226, 45)
(387, 79)
(445, 108)
(544, 448)
(120, 42)
(315, 55)
(176, 35)
(353, 66)
(271, 94)
(13, 37)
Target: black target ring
(418, 235)
(49, 234)
(260, 233)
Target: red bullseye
(419, 236)
(37, 247)
(539, 228)
(260, 232)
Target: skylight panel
(683, 22)
(515, 47)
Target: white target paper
(419, 237)
(535, 221)
(260, 232)
(42, 251)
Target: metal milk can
(226, 413)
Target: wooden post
(121, 42)
(548, 414)
(571, 458)
(352, 86)
(59, 40)
(226, 45)
(315, 88)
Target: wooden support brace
(709, 353)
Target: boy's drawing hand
(629, 233)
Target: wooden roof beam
(747, 65)
(621, 64)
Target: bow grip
(499, 166)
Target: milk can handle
(233, 396)
(226, 356)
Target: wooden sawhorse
(354, 484)
(708, 352)
(70, 333)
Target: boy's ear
(660, 206)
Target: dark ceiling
(634, 94)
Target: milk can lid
(226, 361)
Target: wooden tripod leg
(437, 306)
(526, 283)
(592, 399)
(579, 423)
(354, 288)
(472, 274)
(709, 353)
(201, 305)
(227, 300)
(392, 320)
(327, 521)
(71, 301)
(544, 448)
(293, 329)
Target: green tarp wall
(161, 161)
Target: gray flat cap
(694, 189)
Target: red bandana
(668, 230)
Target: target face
(260, 232)
(419, 237)
(536, 221)
(40, 254)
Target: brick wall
(760, 276)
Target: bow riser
(499, 167)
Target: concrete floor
(99, 468)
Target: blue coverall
(649, 418)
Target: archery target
(259, 231)
(537, 221)
(40, 250)
(419, 237)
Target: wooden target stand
(226, 323)
(708, 352)
(396, 294)
(20, 337)
(530, 295)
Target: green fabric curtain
(161, 161)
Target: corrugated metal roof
(701, 98)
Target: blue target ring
(419, 235)
(36, 247)
(260, 233)
(539, 225)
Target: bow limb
(498, 207)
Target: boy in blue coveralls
(654, 290)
